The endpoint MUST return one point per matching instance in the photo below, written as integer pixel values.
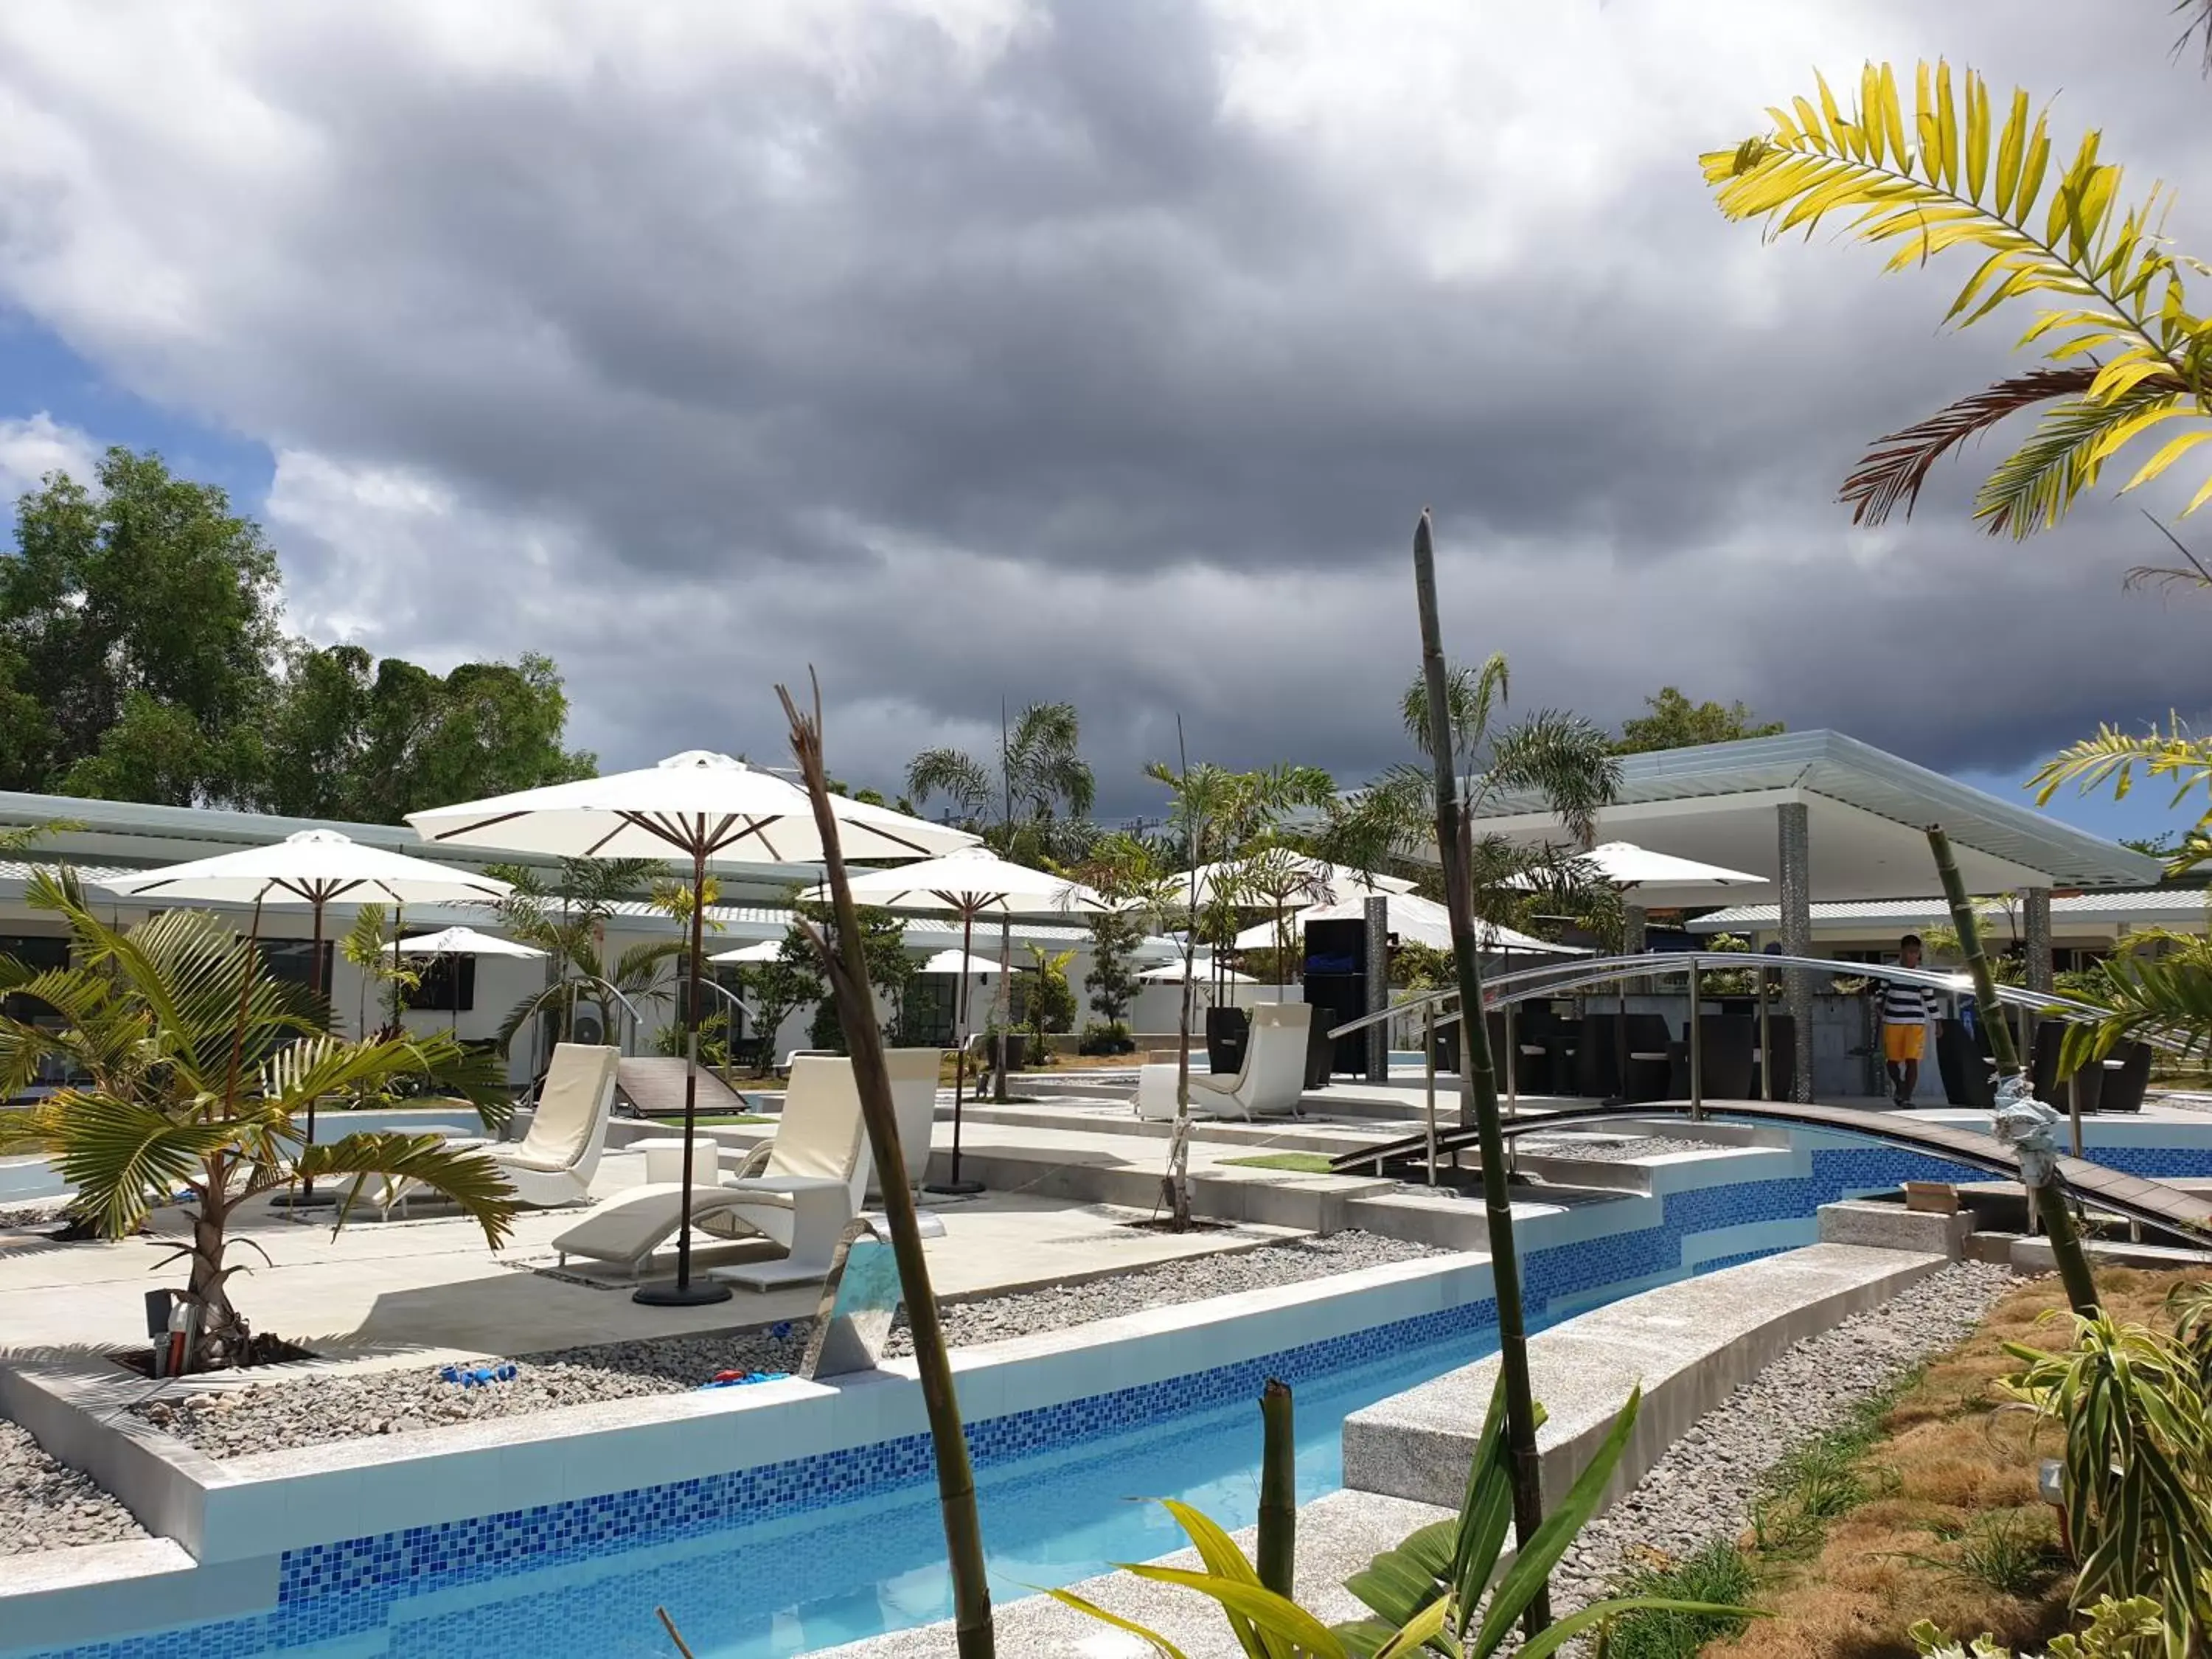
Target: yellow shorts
(1903, 1042)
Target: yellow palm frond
(1955, 176)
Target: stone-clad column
(1378, 987)
(1796, 860)
(2035, 933)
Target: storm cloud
(1103, 349)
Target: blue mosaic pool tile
(327, 1592)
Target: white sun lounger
(555, 1163)
(807, 1188)
(914, 1074)
(1267, 1085)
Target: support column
(1378, 987)
(2035, 935)
(1794, 829)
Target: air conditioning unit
(587, 1028)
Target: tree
(141, 658)
(1112, 981)
(1561, 759)
(196, 1060)
(567, 923)
(351, 737)
(778, 987)
(150, 598)
(1051, 999)
(1031, 804)
(1675, 722)
(2123, 357)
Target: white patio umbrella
(1326, 883)
(1202, 968)
(698, 806)
(316, 868)
(972, 882)
(767, 949)
(1415, 920)
(463, 942)
(959, 962)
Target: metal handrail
(1525, 983)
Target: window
(448, 984)
(288, 959)
(39, 952)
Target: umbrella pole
(683, 1293)
(305, 1196)
(956, 1186)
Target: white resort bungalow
(469, 995)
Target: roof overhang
(1867, 814)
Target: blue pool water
(863, 1569)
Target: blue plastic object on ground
(478, 1377)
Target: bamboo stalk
(1453, 848)
(2066, 1249)
(1275, 1554)
(847, 967)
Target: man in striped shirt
(1904, 1011)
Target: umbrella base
(699, 1293)
(954, 1188)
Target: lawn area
(1297, 1162)
(1925, 1509)
(724, 1120)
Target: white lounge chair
(554, 1163)
(807, 1187)
(1267, 1085)
(913, 1074)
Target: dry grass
(1949, 1475)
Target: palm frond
(958, 777)
(1890, 475)
(1957, 176)
(1564, 758)
(473, 1180)
(122, 1156)
(2031, 488)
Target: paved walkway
(430, 1288)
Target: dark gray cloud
(1098, 349)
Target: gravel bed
(310, 1411)
(1617, 1151)
(1193, 1278)
(294, 1411)
(46, 1505)
(1701, 1489)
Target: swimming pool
(864, 1568)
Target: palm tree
(1029, 805)
(197, 1061)
(1213, 813)
(1563, 759)
(566, 924)
(2123, 357)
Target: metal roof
(1858, 775)
(2164, 904)
(196, 831)
(741, 922)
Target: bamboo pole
(1474, 1047)
(1275, 1555)
(2066, 1249)
(846, 967)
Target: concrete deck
(405, 1292)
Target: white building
(98, 836)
